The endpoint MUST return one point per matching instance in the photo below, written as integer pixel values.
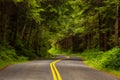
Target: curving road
(69, 69)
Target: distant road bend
(63, 68)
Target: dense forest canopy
(32, 27)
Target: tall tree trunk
(117, 26)
(105, 41)
(99, 2)
(5, 21)
(89, 41)
(29, 37)
(23, 29)
(13, 20)
(85, 40)
(99, 30)
(14, 30)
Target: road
(68, 69)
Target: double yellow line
(54, 70)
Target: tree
(117, 25)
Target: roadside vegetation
(107, 61)
(8, 56)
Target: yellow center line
(54, 70)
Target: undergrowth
(8, 56)
(108, 61)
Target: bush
(111, 59)
(21, 50)
(22, 58)
(9, 56)
(53, 50)
(92, 55)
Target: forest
(30, 28)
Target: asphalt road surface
(68, 69)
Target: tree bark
(117, 26)
(105, 41)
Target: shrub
(111, 59)
(9, 56)
(22, 58)
(91, 55)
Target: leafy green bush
(22, 58)
(9, 56)
(111, 59)
(92, 54)
(22, 51)
(54, 51)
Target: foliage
(111, 59)
(55, 51)
(92, 54)
(108, 60)
(22, 51)
(93, 57)
(9, 56)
